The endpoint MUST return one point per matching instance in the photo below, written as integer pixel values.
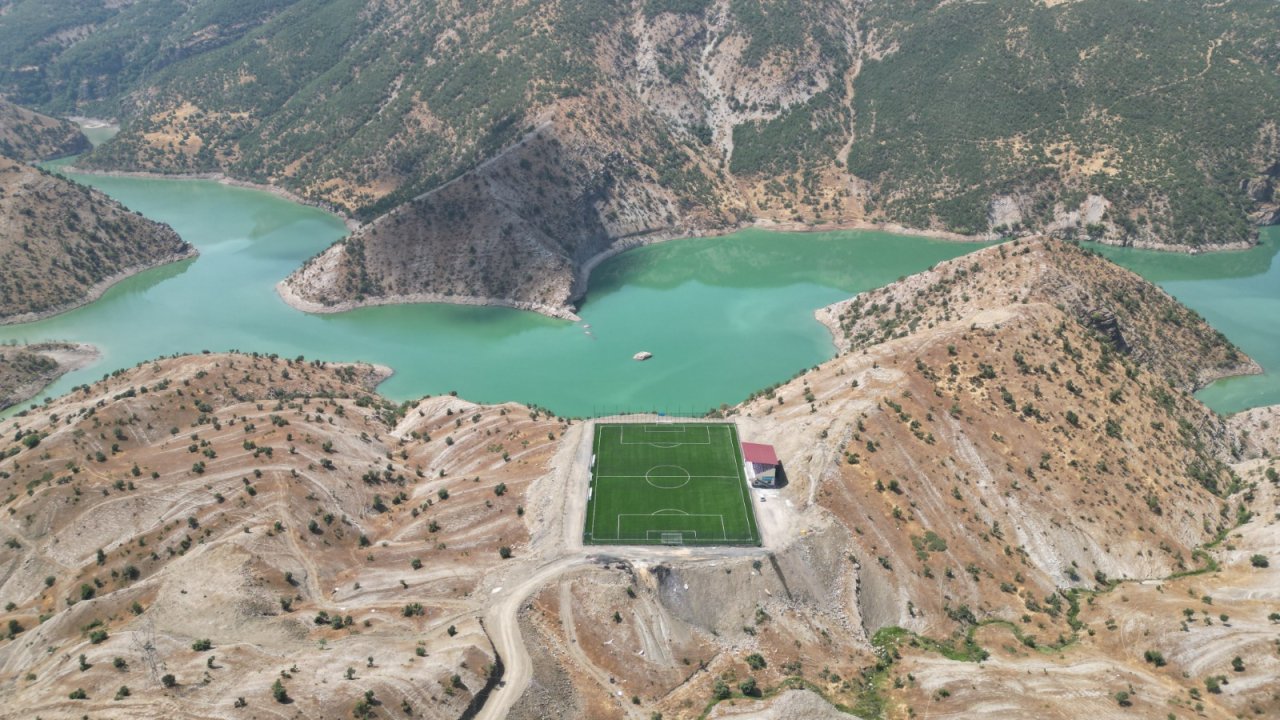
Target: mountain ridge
(723, 112)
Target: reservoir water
(722, 316)
(1239, 294)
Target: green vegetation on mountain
(1166, 109)
(1125, 121)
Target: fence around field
(658, 417)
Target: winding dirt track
(504, 629)
(555, 549)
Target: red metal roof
(759, 454)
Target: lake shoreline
(293, 300)
(222, 179)
(69, 357)
(582, 275)
(98, 289)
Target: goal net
(672, 538)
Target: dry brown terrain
(63, 244)
(1138, 318)
(998, 512)
(236, 499)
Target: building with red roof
(761, 464)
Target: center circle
(667, 477)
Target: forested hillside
(1126, 121)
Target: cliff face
(64, 243)
(29, 136)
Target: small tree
(721, 691)
(123, 692)
(202, 645)
(1237, 664)
(1259, 561)
(169, 681)
(1122, 697)
(279, 693)
(756, 661)
(505, 552)
(748, 687)
(78, 694)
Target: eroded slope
(312, 533)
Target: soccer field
(674, 484)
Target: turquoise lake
(723, 316)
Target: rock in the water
(642, 355)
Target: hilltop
(65, 243)
(1136, 317)
(476, 133)
(1013, 482)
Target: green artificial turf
(669, 483)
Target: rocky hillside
(25, 369)
(64, 244)
(1130, 122)
(30, 136)
(1135, 317)
(520, 230)
(223, 534)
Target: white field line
(619, 536)
(691, 477)
(742, 487)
